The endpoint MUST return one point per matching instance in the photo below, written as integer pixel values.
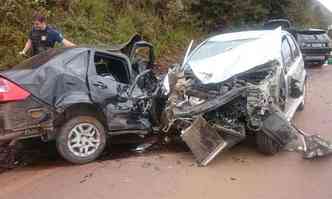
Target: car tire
(81, 139)
(266, 145)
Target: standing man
(43, 37)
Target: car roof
(311, 31)
(244, 35)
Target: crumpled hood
(239, 59)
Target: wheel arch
(80, 109)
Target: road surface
(239, 173)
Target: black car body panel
(100, 80)
(50, 81)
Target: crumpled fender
(73, 98)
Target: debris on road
(314, 145)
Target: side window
(294, 47)
(286, 53)
(107, 65)
(78, 65)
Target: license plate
(317, 45)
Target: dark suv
(314, 44)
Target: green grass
(96, 23)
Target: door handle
(100, 85)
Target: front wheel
(81, 140)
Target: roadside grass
(95, 23)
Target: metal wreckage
(221, 94)
(214, 112)
(214, 118)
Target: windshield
(40, 59)
(213, 48)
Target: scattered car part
(314, 145)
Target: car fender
(73, 98)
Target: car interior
(107, 65)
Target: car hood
(238, 60)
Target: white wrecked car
(233, 85)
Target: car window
(213, 48)
(107, 65)
(78, 65)
(294, 47)
(304, 37)
(313, 37)
(286, 53)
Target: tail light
(9, 91)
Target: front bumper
(316, 54)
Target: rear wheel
(81, 140)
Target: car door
(295, 73)
(141, 57)
(109, 81)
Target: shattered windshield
(213, 48)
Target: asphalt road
(239, 173)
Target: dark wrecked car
(79, 97)
(315, 45)
(228, 88)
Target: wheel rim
(84, 140)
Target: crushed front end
(214, 117)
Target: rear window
(313, 37)
(40, 59)
(277, 24)
(213, 48)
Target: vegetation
(168, 24)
